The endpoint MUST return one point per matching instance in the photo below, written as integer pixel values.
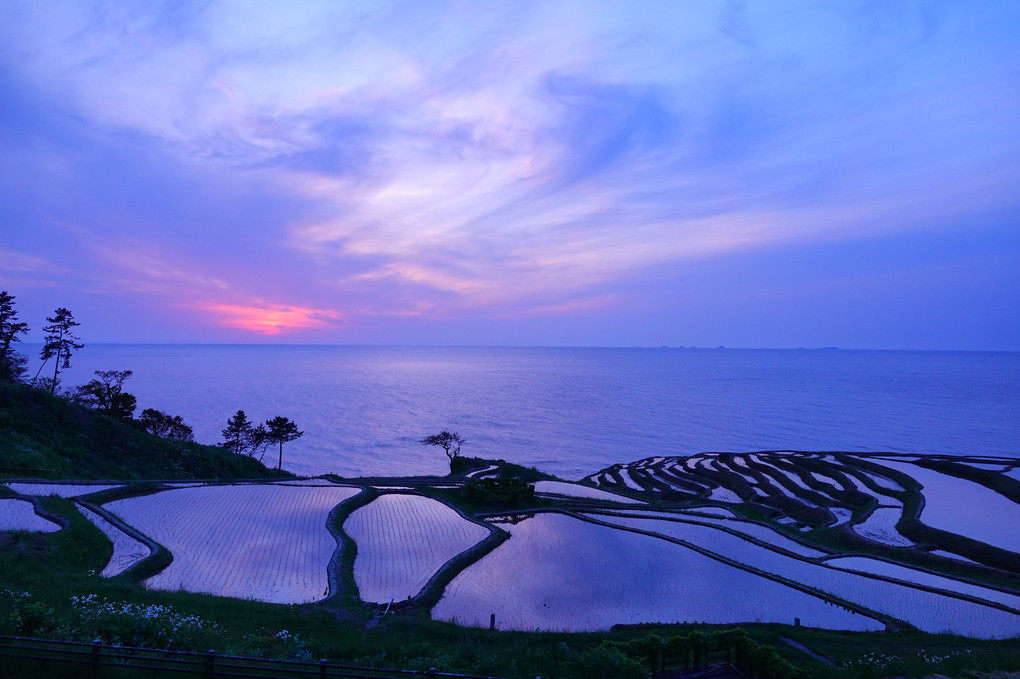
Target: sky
(683, 173)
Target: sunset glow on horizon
(270, 320)
(747, 174)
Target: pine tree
(61, 342)
(12, 363)
(237, 437)
(281, 430)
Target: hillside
(48, 437)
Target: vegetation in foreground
(49, 588)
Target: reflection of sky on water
(402, 541)
(928, 611)
(268, 543)
(20, 515)
(126, 550)
(561, 573)
(964, 507)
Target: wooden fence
(92, 657)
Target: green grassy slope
(42, 436)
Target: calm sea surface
(574, 411)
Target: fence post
(322, 668)
(210, 662)
(94, 664)
(432, 673)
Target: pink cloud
(270, 319)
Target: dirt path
(804, 649)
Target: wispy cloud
(423, 161)
(21, 263)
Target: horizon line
(540, 346)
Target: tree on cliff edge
(450, 442)
(60, 342)
(238, 436)
(12, 363)
(281, 430)
(106, 394)
(165, 426)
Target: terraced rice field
(588, 583)
(126, 550)
(720, 494)
(965, 508)
(628, 481)
(841, 483)
(714, 511)
(925, 610)
(577, 490)
(950, 555)
(880, 526)
(20, 515)
(402, 541)
(263, 542)
(754, 530)
(863, 564)
(842, 514)
(884, 482)
(61, 489)
(269, 542)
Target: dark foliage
(60, 342)
(450, 442)
(165, 426)
(45, 436)
(106, 394)
(239, 436)
(280, 430)
(12, 363)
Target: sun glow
(271, 319)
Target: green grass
(52, 567)
(464, 465)
(43, 436)
(864, 655)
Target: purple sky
(763, 174)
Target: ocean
(573, 411)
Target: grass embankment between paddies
(44, 436)
(54, 567)
(49, 587)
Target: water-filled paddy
(402, 541)
(560, 573)
(263, 542)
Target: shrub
(151, 626)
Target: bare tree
(450, 442)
